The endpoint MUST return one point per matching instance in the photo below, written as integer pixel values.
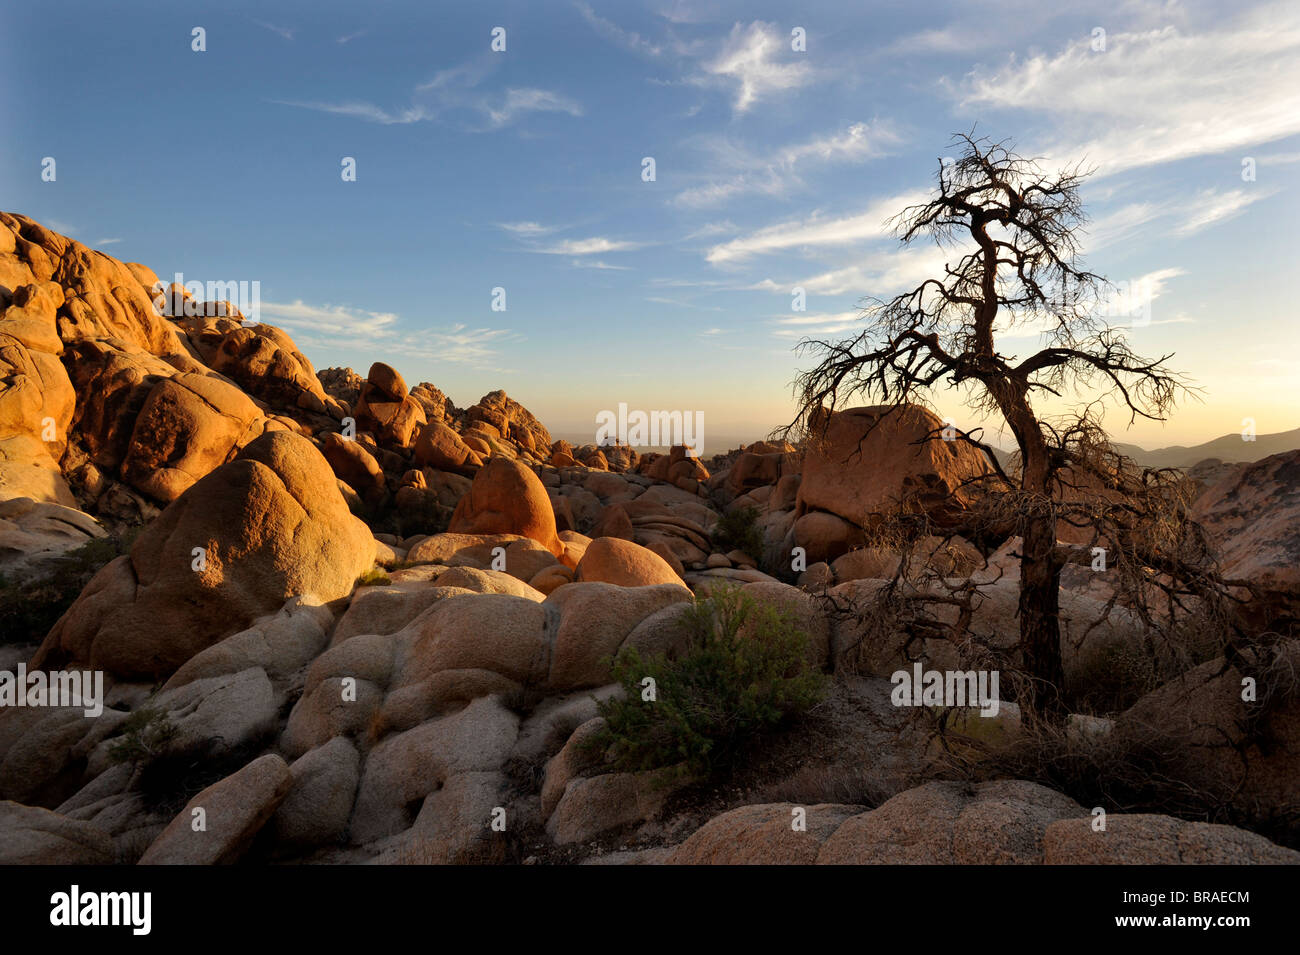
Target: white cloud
(1130, 300)
(330, 319)
(526, 229)
(776, 173)
(711, 229)
(593, 246)
(816, 323)
(285, 32)
(461, 344)
(613, 32)
(598, 264)
(362, 110)
(349, 37)
(816, 230)
(1122, 223)
(1210, 206)
(345, 328)
(949, 39)
(748, 62)
(686, 11)
(454, 89)
(1184, 215)
(879, 273)
(526, 100)
(1278, 159)
(108, 242)
(1160, 95)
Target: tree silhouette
(1017, 227)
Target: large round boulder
(870, 461)
(507, 498)
(268, 526)
(439, 447)
(616, 561)
(189, 425)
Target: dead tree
(1015, 231)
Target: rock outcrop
(267, 526)
(507, 498)
(1253, 513)
(872, 461)
(360, 624)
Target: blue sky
(775, 168)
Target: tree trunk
(1040, 573)
(1040, 624)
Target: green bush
(146, 734)
(374, 577)
(29, 609)
(738, 530)
(745, 671)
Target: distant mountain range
(1230, 448)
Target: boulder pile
(354, 623)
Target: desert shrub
(745, 671)
(28, 609)
(1127, 771)
(828, 783)
(374, 577)
(171, 778)
(1114, 678)
(146, 734)
(738, 530)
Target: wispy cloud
(1210, 206)
(358, 109)
(776, 173)
(711, 229)
(1131, 298)
(349, 37)
(598, 264)
(756, 61)
(1277, 159)
(345, 328)
(453, 89)
(877, 272)
(516, 102)
(628, 39)
(948, 39)
(1159, 95)
(815, 323)
(286, 32)
(1179, 216)
(596, 245)
(331, 319)
(526, 229)
(1122, 223)
(815, 231)
(107, 241)
(533, 238)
